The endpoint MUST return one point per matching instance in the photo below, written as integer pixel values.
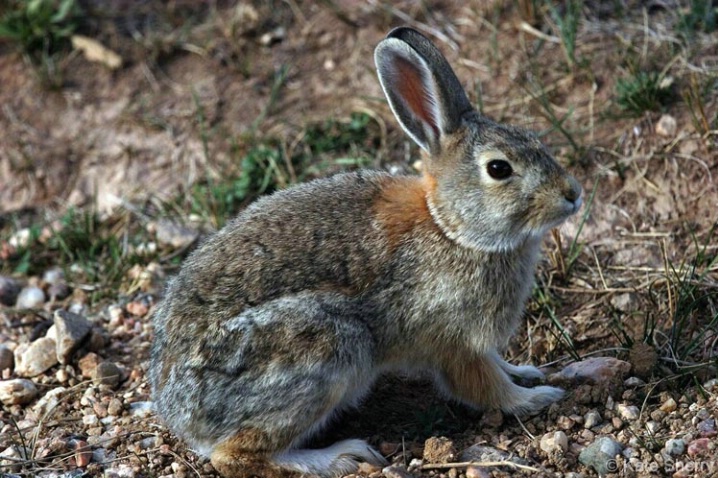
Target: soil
(197, 82)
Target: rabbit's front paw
(532, 400)
(526, 372)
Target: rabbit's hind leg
(302, 358)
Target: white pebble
(30, 297)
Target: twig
(480, 464)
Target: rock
(622, 301)
(49, 401)
(643, 359)
(88, 364)
(666, 126)
(90, 420)
(58, 291)
(628, 412)
(633, 382)
(107, 373)
(71, 331)
(32, 360)
(652, 427)
(669, 405)
(19, 391)
(83, 452)
(601, 455)
(396, 471)
(486, 453)
(699, 446)
(7, 358)
(9, 290)
(439, 450)
(21, 238)
(53, 276)
(554, 442)
(141, 409)
(114, 408)
(137, 308)
(173, 234)
(30, 297)
(122, 470)
(597, 370)
(675, 446)
(592, 419)
(707, 428)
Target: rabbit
(289, 313)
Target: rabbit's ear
(423, 91)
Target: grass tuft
(642, 92)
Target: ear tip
(405, 34)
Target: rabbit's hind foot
(232, 460)
(339, 459)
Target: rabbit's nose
(572, 191)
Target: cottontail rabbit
(290, 313)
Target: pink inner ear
(411, 87)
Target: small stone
(49, 401)
(107, 373)
(485, 453)
(83, 453)
(658, 415)
(476, 472)
(396, 471)
(114, 408)
(58, 291)
(9, 290)
(30, 297)
(34, 359)
(137, 308)
(622, 301)
(88, 364)
(53, 276)
(666, 126)
(566, 423)
(492, 419)
(643, 359)
(707, 428)
(146, 443)
(652, 427)
(439, 450)
(592, 419)
(699, 446)
(675, 446)
(141, 409)
(21, 238)
(597, 370)
(172, 234)
(19, 391)
(7, 358)
(90, 420)
(554, 442)
(601, 454)
(71, 331)
(628, 412)
(633, 382)
(669, 405)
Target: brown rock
(643, 359)
(439, 450)
(88, 364)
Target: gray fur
(291, 311)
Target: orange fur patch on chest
(401, 207)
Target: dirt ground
(633, 278)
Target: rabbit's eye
(499, 169)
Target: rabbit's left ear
(423, 91)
